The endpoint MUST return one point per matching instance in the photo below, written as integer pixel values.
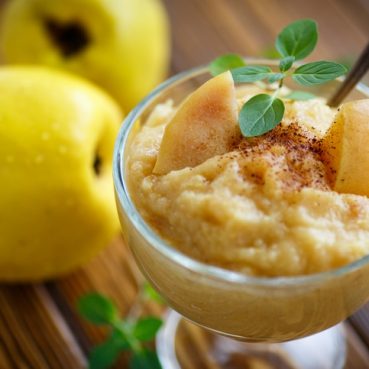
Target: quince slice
(346, 149)
(205, 125)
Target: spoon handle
(357, 72)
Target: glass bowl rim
(169, 251)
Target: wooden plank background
(39, 327)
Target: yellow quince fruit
(121, 45)
(57, 206)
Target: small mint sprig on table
(148, 293)
(125, 335)
(263, 112)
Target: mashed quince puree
(268, 206)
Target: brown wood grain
(203, 29)
(360, 322)
(39, 325)
(114, 274)
(33, 333)
(357, 351)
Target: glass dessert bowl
(233, 304)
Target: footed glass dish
(262, 317)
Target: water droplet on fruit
(62, 150)
(55, 126)
(39, 159)
(45, 136)
(79, 136)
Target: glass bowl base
(184, 345)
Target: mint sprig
(251, 73)
(145, 359)
(146, 328)
(263, 112)
(298, 39)
(108, 352)
(225, 62)
(125, 335)
(299, 95)
(148, 293)
(98, 309)
(286, 63)
(260, 114)
(318, 72)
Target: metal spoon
(357, 72)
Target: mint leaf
(298, 39)
(224, 63)
(286, 63)
(251, 73)
(300, 95)
(151, 294)
(105, 355)
(146, 328)
(270, 53)
(260, 114)
(97, 309)
(275, 77)
(318, 72)
(145, 359)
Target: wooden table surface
(39, 326)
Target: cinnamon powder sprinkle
(291, 154)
